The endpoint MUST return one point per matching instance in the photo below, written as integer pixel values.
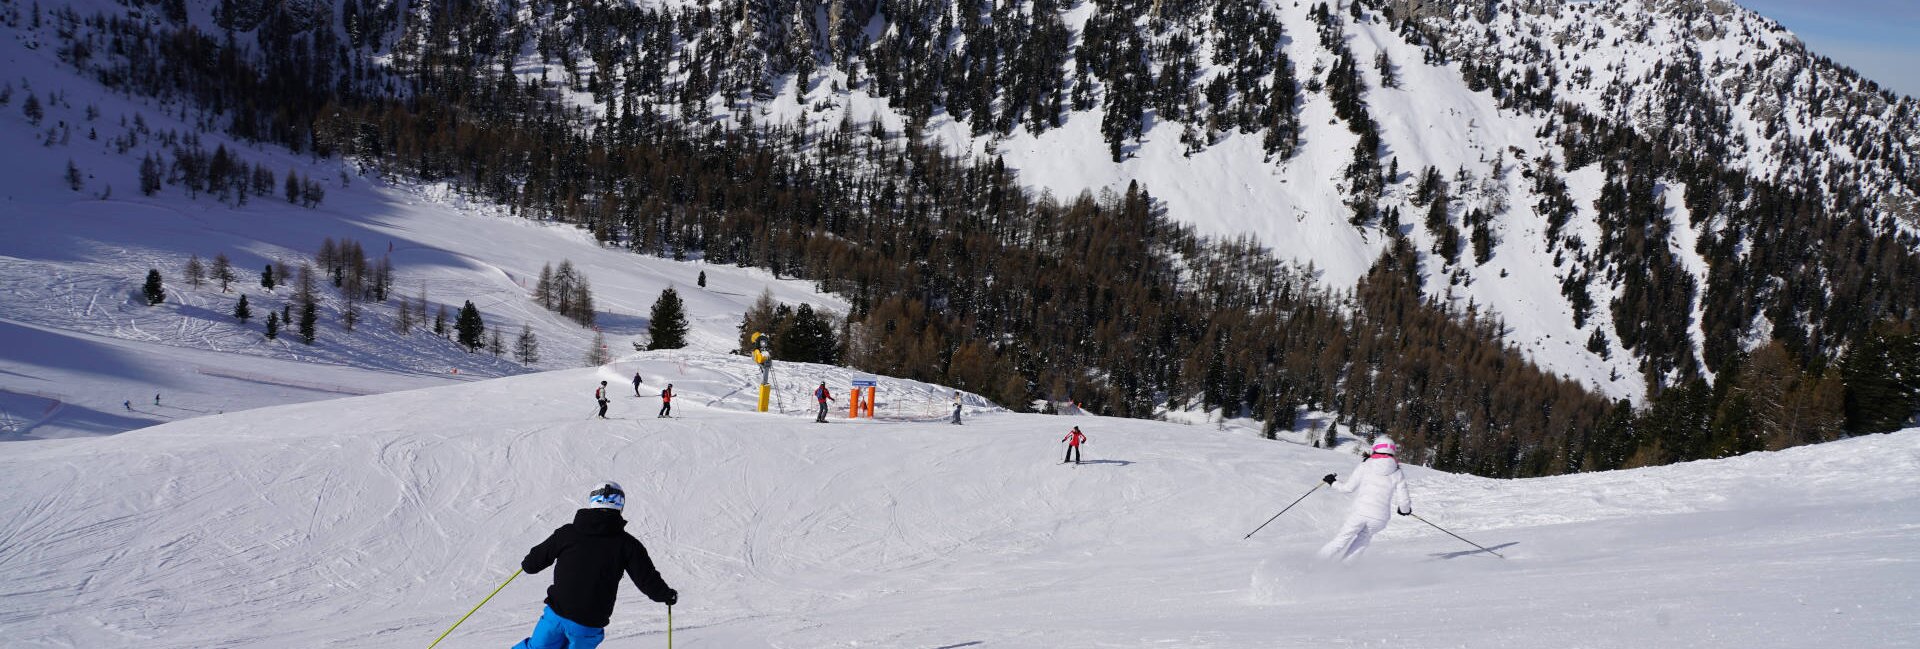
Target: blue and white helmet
(607, 495)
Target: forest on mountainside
(958, 274)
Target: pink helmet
(1383, 445)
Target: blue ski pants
(555, 632)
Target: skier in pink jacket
(1379, 489)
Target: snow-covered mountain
(1632, 195)
(1244, 118)
(378, 521)
(1629, 193)
(85, 355)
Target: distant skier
(823, 395)
(592, 552)
(156, 398)
(600, 395)
(636, 384)
(1379, 489)
(1073, 439)
(666, 401)
(956, 407)
(128, 403)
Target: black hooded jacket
(593, 550)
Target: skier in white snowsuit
(1379, 489)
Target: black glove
(672, 597)
(1406, 512)
(1329, 479)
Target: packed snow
(377, 521)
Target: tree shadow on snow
(975, 643)
(620, 324)
(86, 421)
(1443, 556)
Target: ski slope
(78, 345)
(377, 521)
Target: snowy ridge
(80, 342)
(376, 521)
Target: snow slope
(376, 521)
(76, 342)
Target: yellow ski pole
(476, 608)
(669, 626)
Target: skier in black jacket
(592, 551)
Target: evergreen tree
(1597, 343)
(75, 181)
(668, 326)
(266, 277)
(1389, 75)
(1881, 372)
(526, 348)
(152, 290)
(309, 316)
(543, 289)
(470, 329)
(809, 338)
(1482, 243)
(151, 175)
(241, 310)
(702, 281)
(273, 325)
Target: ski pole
(476, 608)
(1437, 527)
(669, 626)
(1296, 501)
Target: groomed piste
(376, 521)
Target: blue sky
(1878, 38)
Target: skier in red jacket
(823, 395)
(1073, 439)
(666, 401)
